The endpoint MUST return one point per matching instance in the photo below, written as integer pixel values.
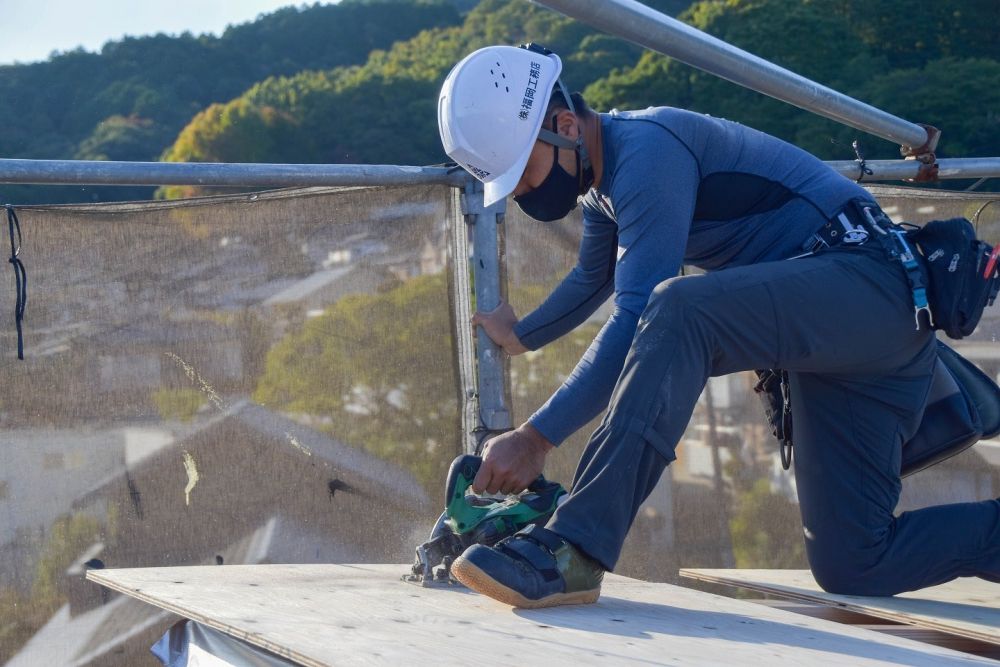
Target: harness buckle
(856, 236)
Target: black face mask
(555, 197)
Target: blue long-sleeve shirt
(676, 187)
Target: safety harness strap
(893, 242)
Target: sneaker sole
(479, 581)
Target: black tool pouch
(772, 388)
(963, 407)
(962, 274)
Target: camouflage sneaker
(533, 568)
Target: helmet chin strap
(585, 171)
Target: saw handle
(460, 475)
(463, 471)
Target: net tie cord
(20, 276)
(864, 170)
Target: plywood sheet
(364, 615)
(968, 607)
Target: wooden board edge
(96, 577)
(937, 638)
(825, 612)
(899, 617)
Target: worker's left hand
(499, 326)
(512, 461)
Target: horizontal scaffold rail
(96, 172)
(647, 27)
(899, 170)
(100, 172)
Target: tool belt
(861, 221)
(960, 275)
(849, 227)
(964, 403)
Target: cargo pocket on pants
(652, 437)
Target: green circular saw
(473, 519)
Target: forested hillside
(357, 82)
(385, 110)
(129, 101)
(939, 65)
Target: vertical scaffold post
(494, 414)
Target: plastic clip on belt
(20, 276)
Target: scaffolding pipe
(487, 269)
(84, 172)
(900, 170)
(647, 27)
(100, 172)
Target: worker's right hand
(512, 461)
(499, 326)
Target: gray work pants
(842, 323)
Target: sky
(33, 29)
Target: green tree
(55, 109)
(965, 102)
(393, 394)
(239, 131)
(357, 81)
(801, 36)
(849, 45)
(766, 530)
(375, 371)
(180, 404)
(21, 616)
(385, 110)
(120, 137)
(911, 39)
(809, 37)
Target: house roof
(363, 468)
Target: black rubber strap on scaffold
(20, 276)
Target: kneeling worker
(665, 186)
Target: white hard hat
(490, 112)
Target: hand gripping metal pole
(638, 23)
(494, 414)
